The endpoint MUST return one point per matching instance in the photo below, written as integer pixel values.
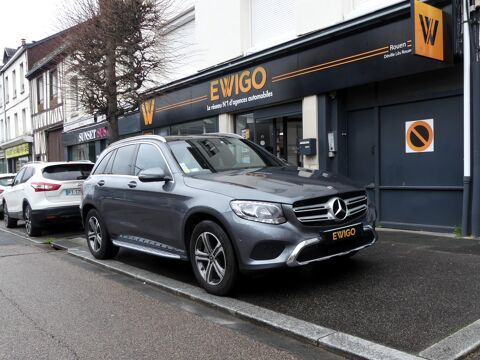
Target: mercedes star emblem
(338, 208)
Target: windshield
(220, 154)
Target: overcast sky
(28, 19)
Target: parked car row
(219, 201)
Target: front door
(154, 207)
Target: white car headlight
(269, 213)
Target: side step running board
(145, 249)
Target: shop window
(84, 151)
(244, 126)
(190, 128)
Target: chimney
(23, 42)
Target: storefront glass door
(278, 135)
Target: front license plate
(72, 192)
(345, 233)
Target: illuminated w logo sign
(148, 108)
(429, 29)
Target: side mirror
(153, 175)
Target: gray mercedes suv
(223, 203)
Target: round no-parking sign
(419, 136)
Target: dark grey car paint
(158, 211)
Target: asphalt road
(408, 292)
(54, 306)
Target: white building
(17, 136)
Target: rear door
(112, 187)
(69, 177)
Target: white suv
(43, 193)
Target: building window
(40, 93)
(53, 84)
(15, 121)
(74, 90)
(14, 83)
(8, 127)
(273, 22)
(22, 79)
(7, 90)
(24, 121)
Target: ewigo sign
(361, 57)
(428, 29)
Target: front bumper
(266, 246)
(368, 239)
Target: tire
(31, 227)
(98, 239)
(213, 258)
(8, 221)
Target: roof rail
(225, 134)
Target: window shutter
(272, 21)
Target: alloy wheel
(28, 220)
(210, 258)
(94, 234)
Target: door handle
(101, 182)
(132, 184)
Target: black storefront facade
(87, 142)
(378, 112)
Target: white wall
(222, 30)
(20, 102)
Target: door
(112, 188)
(361, 149)
(16, 195)
(54, 146)
(154, 207)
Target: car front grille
(318, 211)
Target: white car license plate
(72, 192)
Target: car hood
(278, 184)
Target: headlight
(269, 213)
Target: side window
(149, 157)
(122, 165)
(19, 177)
(103, 163)
(29, 171)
